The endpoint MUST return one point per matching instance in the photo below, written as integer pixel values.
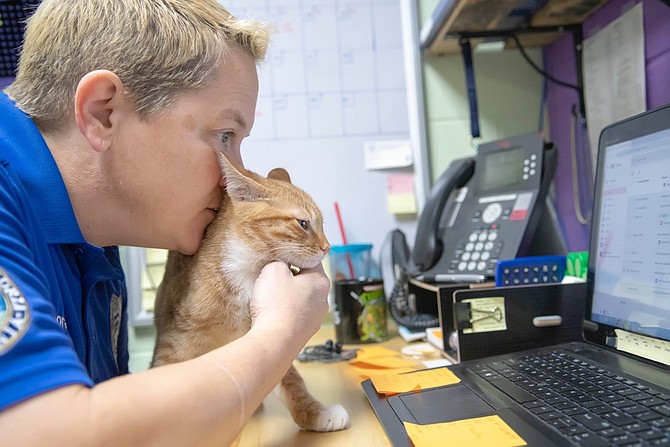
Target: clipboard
(501, 320)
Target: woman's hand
(296, 303)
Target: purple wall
(4, 82)
(560, 61)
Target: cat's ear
(279, 174)
(239, 186)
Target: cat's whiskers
(296, 255)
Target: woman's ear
(98, 97)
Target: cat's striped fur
(203, 300)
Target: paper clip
(496, 314)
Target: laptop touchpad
(436, 405)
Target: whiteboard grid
(334, 79)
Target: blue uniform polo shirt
(63, 316)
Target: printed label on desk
(486, 315)
(649, 348)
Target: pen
(453, 277)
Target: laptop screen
(630, 245)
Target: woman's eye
(225, 137)
(303, 223)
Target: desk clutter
(475, 322)
(517, 318)
(389, 374)
(326, 353)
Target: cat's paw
(332, 418)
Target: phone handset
(428, 245)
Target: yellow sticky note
(488, 431)
(400, 193)
(401, 203)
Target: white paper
(436, 363)
(614, 74)
(388, 154)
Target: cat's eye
(303, 223)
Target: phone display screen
(503, 168)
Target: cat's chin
(304, 265)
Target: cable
(543, 101)
(540, 70)
(400, 308)
(397, 269)
(326, 353)
(576, 196)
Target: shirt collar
(23, 146)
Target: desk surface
(331, 383)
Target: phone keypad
(530, 167)
(478, 254)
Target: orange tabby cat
(203, 301)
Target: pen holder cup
(349, 262)
(359, 314)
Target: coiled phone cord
(396, 270)
(400, 308)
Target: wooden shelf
(533, 20)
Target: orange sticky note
(374, 351)
(488, 431)
(401, 383)
(383, 362)
(375, 357)
(366, 373)
(431, 378)
(394, 383)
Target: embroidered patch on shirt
(14, 313)
(116, 307)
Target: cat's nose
(325, 249)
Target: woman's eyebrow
(233, 114)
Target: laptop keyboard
(587, 404)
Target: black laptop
(612, 388)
